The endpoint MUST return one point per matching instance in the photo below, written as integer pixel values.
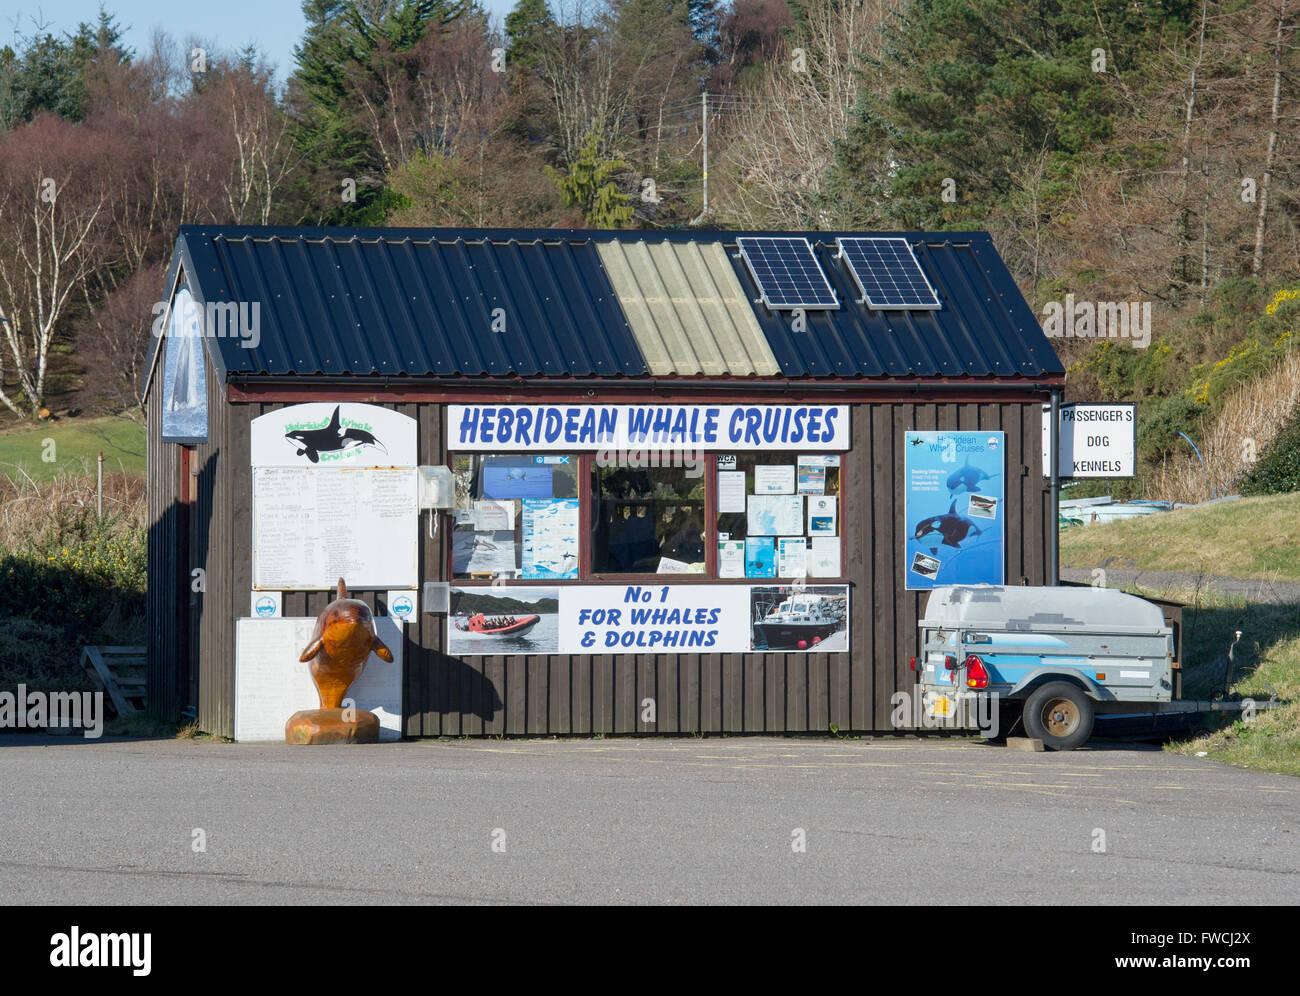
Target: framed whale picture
(955, 529)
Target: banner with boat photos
(648, 619)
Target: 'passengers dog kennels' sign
(955, 528)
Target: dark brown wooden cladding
(487, 696)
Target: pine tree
(527, 27)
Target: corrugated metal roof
(417, 305)
(439, 303)
(687, 309)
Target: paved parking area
(643, 821)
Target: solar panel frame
(760, 253)
(906, 295)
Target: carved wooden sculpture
(341, 643)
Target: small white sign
(774, 479)
(266, 605)
(1097, 440)
(403, 605)
(731, 491)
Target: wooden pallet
(120, 674)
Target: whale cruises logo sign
(325, 434)
(956, 532)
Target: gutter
(250, 387)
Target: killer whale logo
(953, 528)
(333, 438)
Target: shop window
(779, 515)
(516, 517)
(647, 520)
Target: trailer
(1051, 658)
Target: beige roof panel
(687, 310)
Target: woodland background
(1117, 150)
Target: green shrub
(1278, 469)
(1161, 419)
(85, 584)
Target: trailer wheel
(1060, 715)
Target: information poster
(478, 551)
(824, 557)
(775, 515)
(314, 525)
(335, 495)
(774, 479)
(822, 515)
(954, 508)
(491, 516)
(550, 538)
(731, 559)
(760, 557)
(812, 476)
(731, 491)
(792, 557)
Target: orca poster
(955, 530)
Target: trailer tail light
(977, 675)
(911, 662)
(950, 662)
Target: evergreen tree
(590, 183)
(341, 47)
(984, 87)
(527, 27)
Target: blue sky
(275, 25)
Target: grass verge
(1245, 538)
(1265, 660)
(70, 445)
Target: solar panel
(888, 274)
(787, 273)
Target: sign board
(335, 494)
(1097, 440)
(271, 684)
(955, 515)
(325, 434)
(491, 428)
(648, 618)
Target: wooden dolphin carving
(340, 645)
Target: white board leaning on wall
(271, 684)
